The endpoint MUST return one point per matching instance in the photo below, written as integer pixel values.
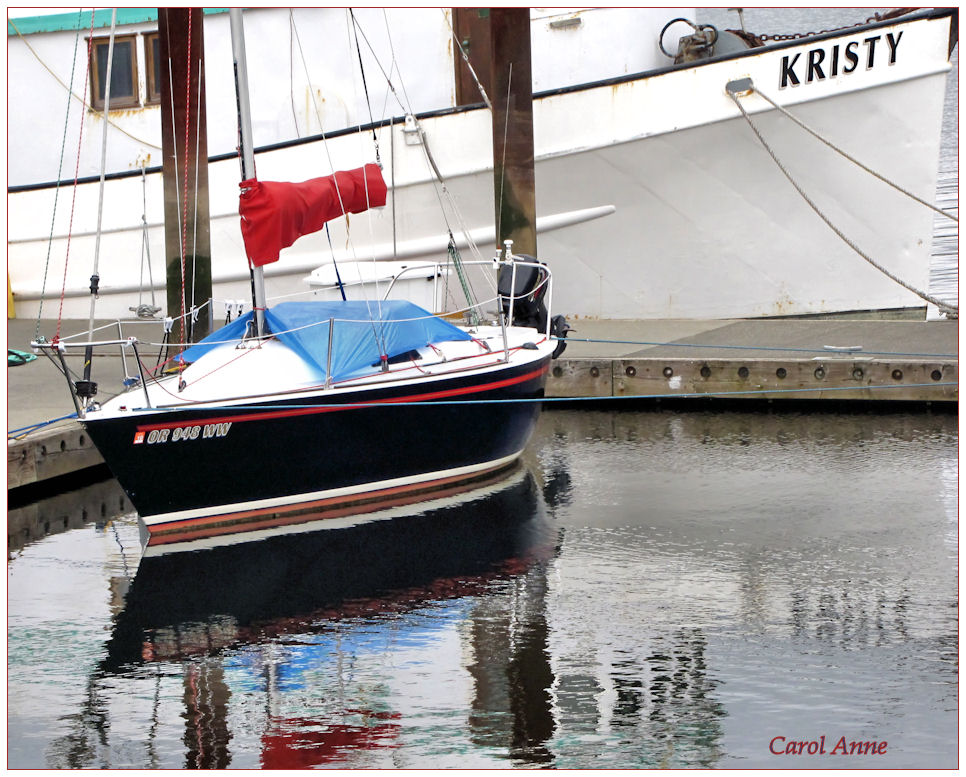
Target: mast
(246, 151)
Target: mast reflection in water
(306, 639)
(653, 589)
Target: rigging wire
(406, 106)
(365, 87)
(60, 168)
(95, 278)
(194, 237)
(186, 326)
(381, 338)
(73, 201)
(291, 70)
(142, 310)
(377, 333)
(466, 60)
(506, 130)
(70, 93)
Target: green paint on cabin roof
(29, 25)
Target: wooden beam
(512, 98)
(184, 167)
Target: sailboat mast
(247, 149)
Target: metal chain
(797, 35)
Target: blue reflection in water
(655, 589)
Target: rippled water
(652, 589)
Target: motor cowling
(525, 282)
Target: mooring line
(523, 400)
(25, 430)
(747, 348)
(532, 400)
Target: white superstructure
(654, 197)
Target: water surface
(651, 589)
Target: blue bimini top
(304, 328)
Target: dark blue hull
(222, 466)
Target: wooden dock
(765, 360)
(770, 360)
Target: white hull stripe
(394, 511)
(155, 522)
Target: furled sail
(274, 214)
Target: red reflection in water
(297, 743)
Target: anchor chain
(798, 35)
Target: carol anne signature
(824, 746)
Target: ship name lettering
(821, 63)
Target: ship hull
(272, 461)
(656, 199)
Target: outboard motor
(526, 284)
(528, 289)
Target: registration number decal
(180, 433)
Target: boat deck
(764, 360)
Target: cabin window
(124, 72)
(152, 64)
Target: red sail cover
(274, 215)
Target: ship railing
(84, 389)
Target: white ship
(656, 197)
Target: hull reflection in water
(336, 513)
(680, 589)
(324, 628)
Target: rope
(25, 430)
(194, 237)
(466, 60)
(73, 201)
(184, 196)
(60, 168)
(377, 332)
(70, 92)
(750, 347)
(95, 277)
(549, 400)
(365, 88)
(542, 400)
(853, 160)
(923, 295)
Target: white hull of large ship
(654, 197)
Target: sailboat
(308, 406)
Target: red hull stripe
(320, 509)
(300, 411)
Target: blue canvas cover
(304, 327)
